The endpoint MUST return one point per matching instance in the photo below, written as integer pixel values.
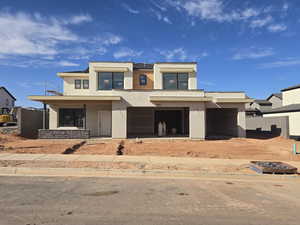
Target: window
(7, 103)
(143, 80)
(183, 81)
(108, 80)
(77, 84)
(118, 80)
(71, 117)
(175, 81)
(85, 84)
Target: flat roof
(284, 109)
(291, 88)
(176, 63)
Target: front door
(104, 123)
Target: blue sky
(250, 46)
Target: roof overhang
(232, 100)
(179, 99)
(110, 69)
(84, 75)
(73, 98)
(172, 69)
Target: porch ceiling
(232, 100)
(73, 98)
(179, 99)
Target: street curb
(170, 174)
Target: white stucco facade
(195, 100)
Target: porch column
(197, 121)
(119, 120)
(45, 116)
(84, 108)
(241, 121)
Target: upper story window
(175, 81)
(86, 84)
(77, 84)
(143, 79)
(110, 80)
(81, 84)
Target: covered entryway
(221, 122)
(143, 122)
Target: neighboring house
(275, 99)
(7, 100)
(261, 104)
(256, 107)
(290, 108)
(126, 99)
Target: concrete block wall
(29, 122)
(64, 134)
(265, 124)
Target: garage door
(140, 121)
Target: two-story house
(126, 99)
(7, 100)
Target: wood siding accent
(136, 80)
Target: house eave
(83, 75)
(110, 69)
(73, 98)
(182, 70)
(232, 100)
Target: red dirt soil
(236, 148)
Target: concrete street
(112, 201)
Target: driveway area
(113, 201)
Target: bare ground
(236, 148)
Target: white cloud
(177, 53)
(180, 54)
(126, 53)
(253, 53)
(167, 20)
(35, 40)
(23, 34)
(277, 28)
(129, 9)
(261, 22)
(281, 63)
(215, 10)
(107, 39)
(67, 63)
(159, 6)
(160, 17)
(285, 6)
(80, 19)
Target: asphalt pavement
(142, 201)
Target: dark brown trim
(291, 88)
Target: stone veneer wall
(64, 134)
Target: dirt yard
(235, 148)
